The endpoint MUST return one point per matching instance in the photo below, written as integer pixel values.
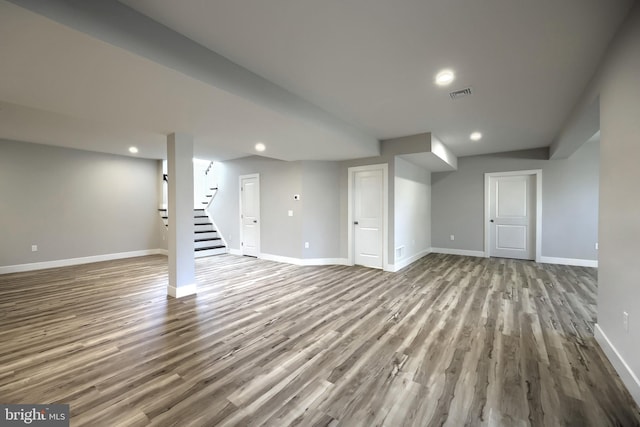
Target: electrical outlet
(596, 246)
(625, 321)
(34, 248)
(306, 245)
(290, 212)
(452, 237)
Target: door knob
(355, 222)
(491, 220)
(255, 221)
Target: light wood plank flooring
(450, 340)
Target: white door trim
(538, 175)
(240, 178)
(385, 211)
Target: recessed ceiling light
(445, 77)
(133, 150)
(475, 136)
(260, 147)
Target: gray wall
(619, 266)
(321, 209)
(315, 216)
(279, 181)
(74, 203)
(569, 201)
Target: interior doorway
(367, 216)
(250, 215)
(513, 210)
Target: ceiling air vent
(460, 93)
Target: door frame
(385, 211)
(537, 174)
(241, 234)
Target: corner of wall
(629, 378)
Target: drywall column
(618, 328)
(182, 280)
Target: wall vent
(460, 93)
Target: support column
(182, 277)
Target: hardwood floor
(450, 340)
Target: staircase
(206, 240)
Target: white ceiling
(369, 63)
(62, 87)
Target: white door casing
(250, 215)
(513, 214)
(368, 216)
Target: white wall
(412, 203)
(74, 204)
(201, 183)
(619, 266)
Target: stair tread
(207, 239)
(205, 231)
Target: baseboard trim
(304, 261)
(629, 378)
(462, 252)
(569, 261)
(19, 268)
(408, 261)
(181, 291)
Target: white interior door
(250, 215)
(368, 217)
(512, 213)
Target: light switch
(290, 212)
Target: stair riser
(199, 227)
(209, 235)
(201, 254)
(206, 231)
(196, 212)
(206, 243)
